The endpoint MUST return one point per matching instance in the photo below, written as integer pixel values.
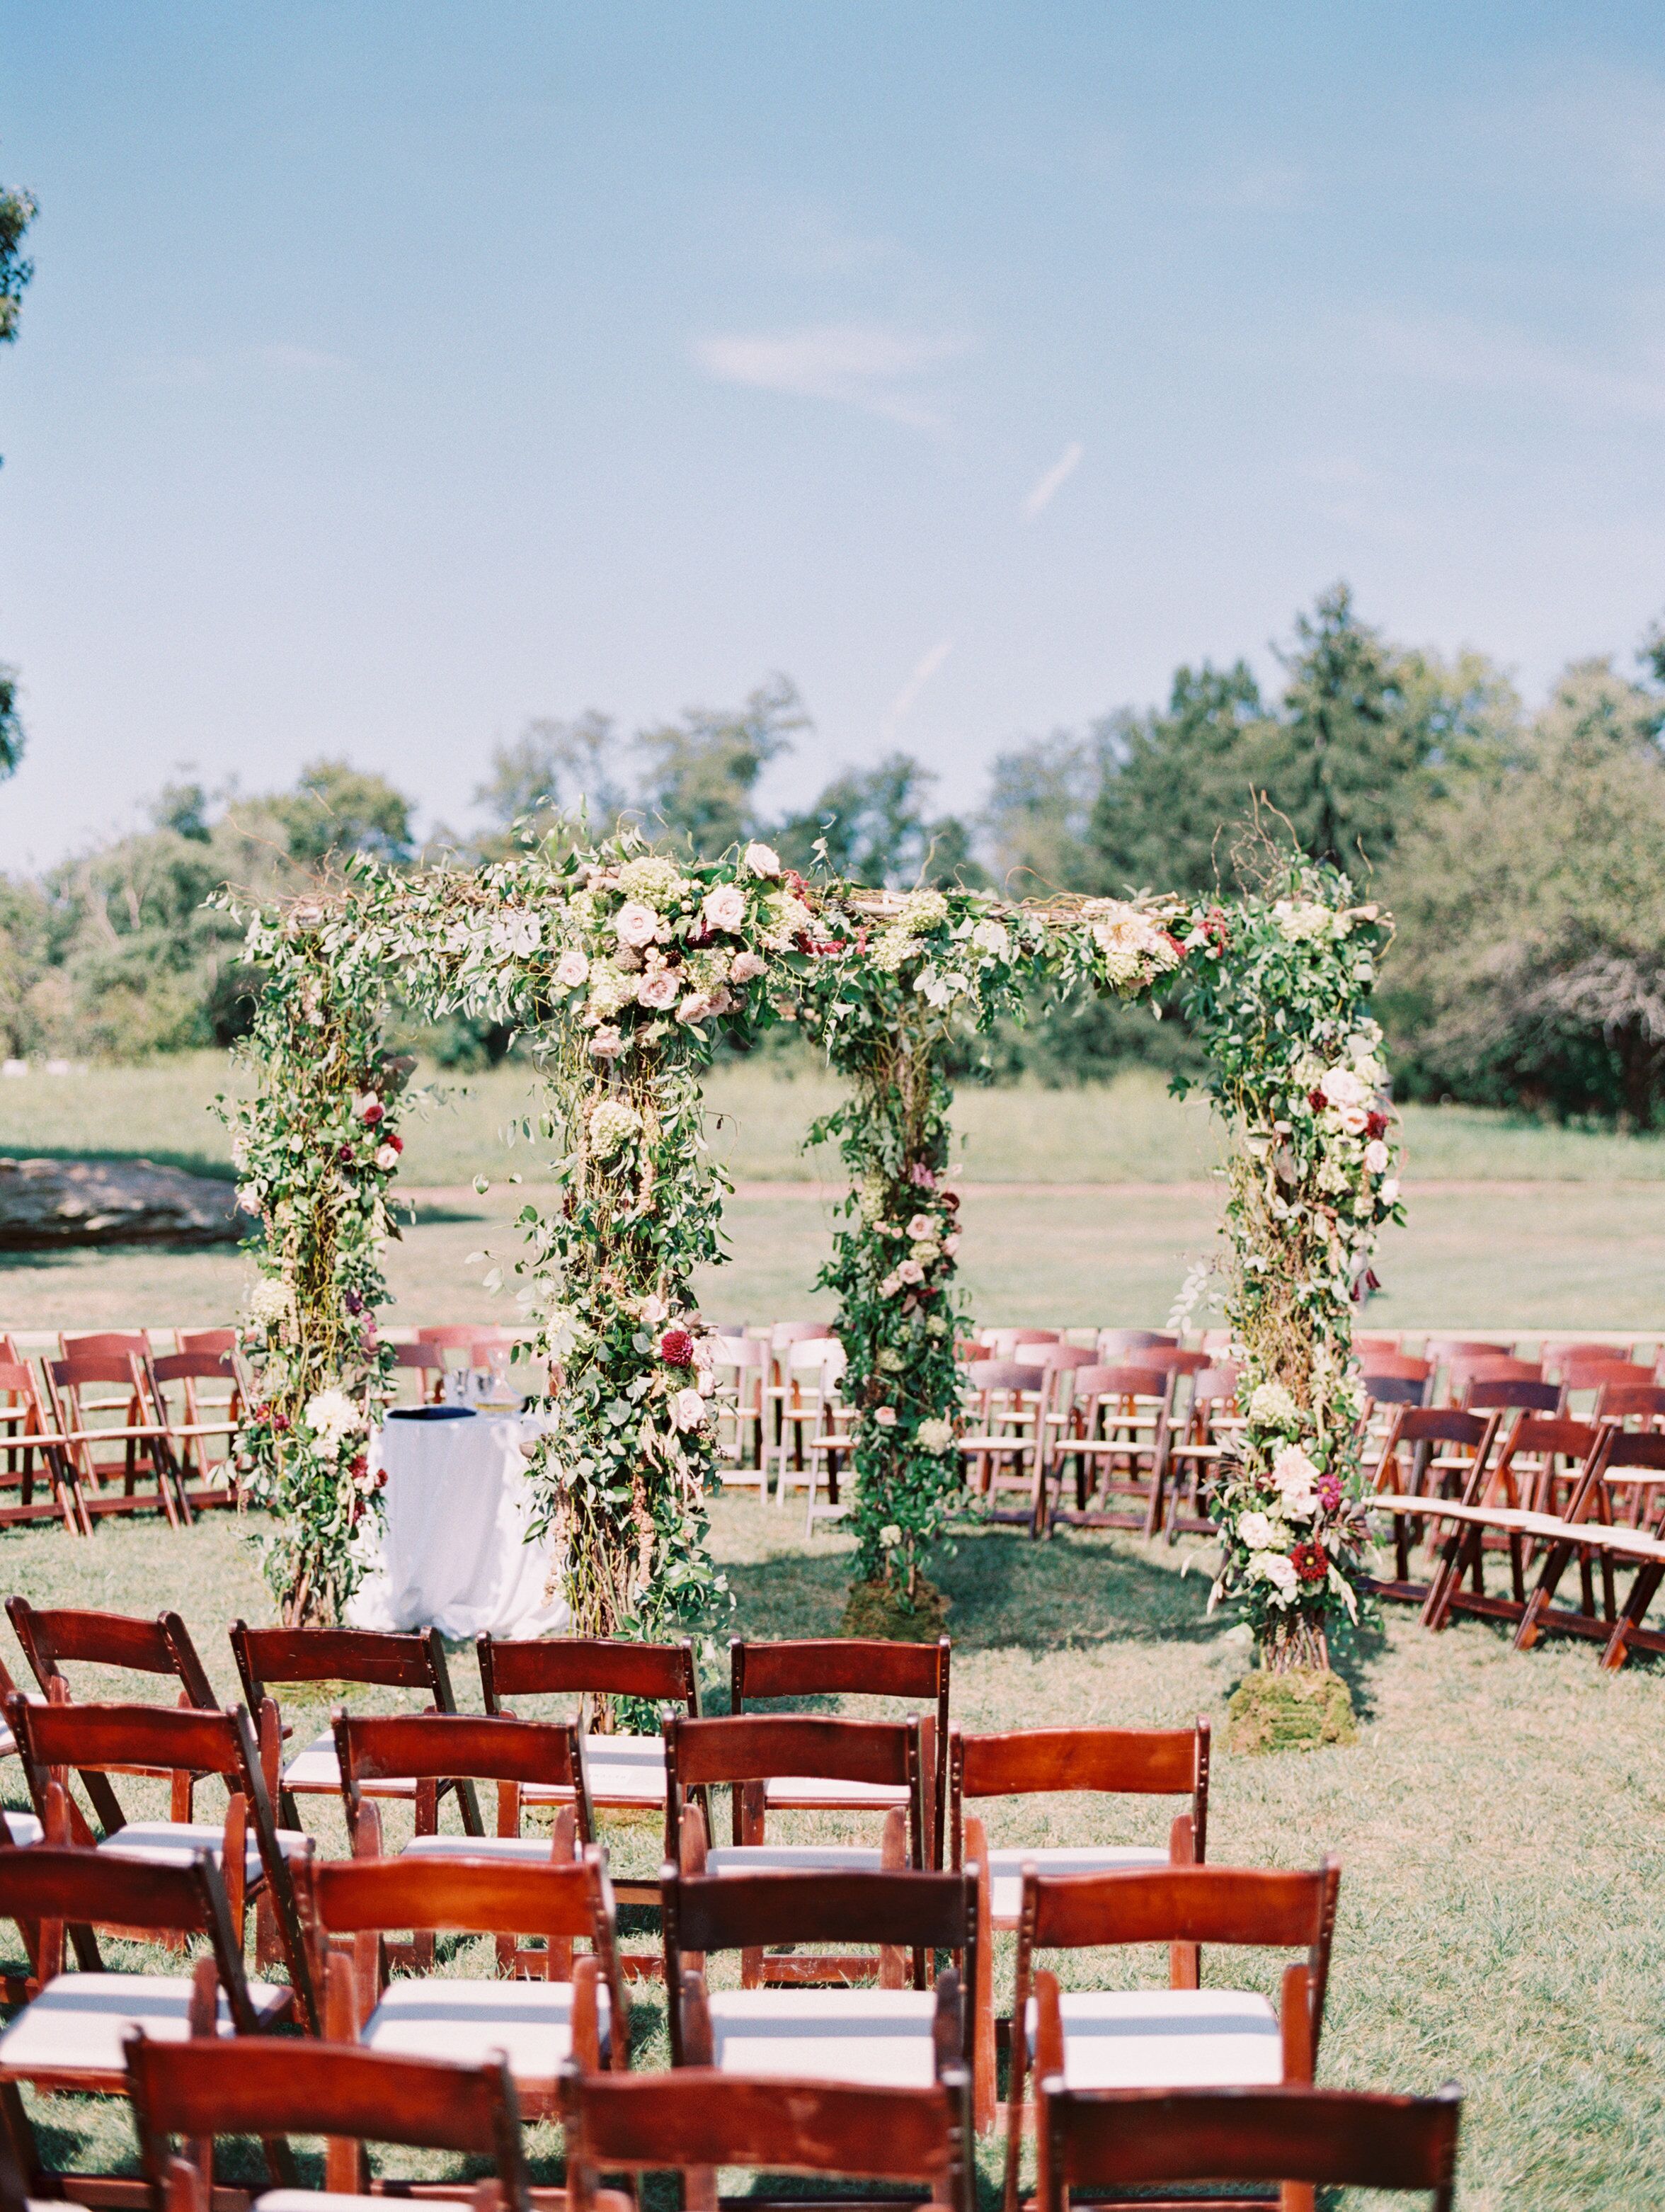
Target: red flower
(345, 1156)
(1375, 1125)
(360, 1466)
(1310, 1562)
(1317, 1101)
(397, 1143)
(677, 1348)
(371, 1114)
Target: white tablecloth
(454, 1554)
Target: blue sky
(395, 373)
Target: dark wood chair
(377, 1659)
(247, 1850)
(851, 1666)
(785, 2027)
(1003, 1446)
(574, 2008)
(1118, 1442)
(1091, 2142)
(262, 2086)
(698, 2121)
(1419, 1430)
(1035, 1762)
(1621, 1458)
(743, 1753)
(205, 1417)
(71, 2038)
(1505, 1507)
(54, 1636)
(1186, 2036)
(1208, 1434)
(31, 1432)
(424, 1360)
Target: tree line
(1521, 854)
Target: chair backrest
(1422, 1426)
(1440, 1351)
(1101, 2140)
(80, 1370)
(1027, 1762)
(786, 1332)
(372, 1655)
(1123, 1381)
(1630, 1401)
(50, 1635)
(1551, 1437)
(1580, 1376)
(105, 1343)
(1485, 1394)
(273, 2087)
(194, 1367)
(458, 1746)
(703, 1754)
(739, 1351)
(1371, 1344)
(1494, 1367)
(1171, 1359)
(206, 1340)
(66, 1885)
(1557, 1352)
(558, 1899)
(585, 1666)
(428, 1356)
(17, 1380)
(1009, 1340)
(1063, 1358)
(464, 1336)
(698, 2116)
(987, 1375)
(811, 1354)
(1115, 1343)
(1642, 1449)
(1213, 1385)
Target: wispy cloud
(903, 705)
(861, 365)
(1482, 357)
(1047, 488)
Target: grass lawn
(1512, 1226)
(1501, 1823)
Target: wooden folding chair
(1089, 2142)
(1505, 1508)
(71, 2038)
(1184, 2036)
(809, 1372)
(1210, 1433)
(54, 1636)
(1122, 1346)
(1004, 1447)
(31, 1432)
(1621, 1457)
(851, 1666)
(696, 2121)
(1419, 1429)
(485, 1350)
(130, 1426)
(889, 2033)
(1035, 1762)
(247, 1849)
(577, 2008)
(742, 1365)
(204, 1417)
(423, 1360)
(1118, 1444)
(262, 2086)
(371, 1656)
(744, 1754)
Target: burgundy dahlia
(677, 1348)
(1310, 1562)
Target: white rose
(746, 967)
(1390, 1191)
(386, 1158)
(654, 1310)
(658, 990)
(697, 1006)
(1254, 1530)
(1342, 1087)
(1276, 1568)
(688, 1409)
(1376, 1157)
(635, 924)
(1354, 1119)
(890, 1286)
(910, 1272)
(606, 1044)
(952, 1244)
(920, 1225)
(885, 1416)
(762, 859)
(571, 970)
(724, 907)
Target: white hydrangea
(1271, 1407)
(612, 1123)
(922, 910)
(333, 1417)
(1301, 920)
(654, 881)
(934, 1435)
(889, 1536)
(270, 1302)
(892, 950)
(610, 990)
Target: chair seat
(524, 1850)
(882, 2037)
(1167, 2039)
(1006, 1871)
(316, 2200)
(23, 1828)
(165, 1843)
(466, 2021)
(316, 1771)
(78, 2023)
(622, 1770)
(794, 1858)
(808, 1792)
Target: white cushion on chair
(793, 1858)
(22, 1828)
(876, 2036)
(622, 1770)
(165, 1843)
(1006, 1870)
(809, 1791)
(532, 1850)
(530, 2022)
(78, 2022)
(316, 2200)
(317, 1769)
(1167, 2039)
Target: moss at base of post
(879, 1608)
(1300, 1709)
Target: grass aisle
(1501, 1824)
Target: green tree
(553, 768)
(17, 212)
(1038, 818)
(1176, 785)
(873, 826)
(1529, 962)
(336, 809)
(701, 772)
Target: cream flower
(934, 1435)
(1255, 1530)
(688, 1409)
(885, 1416)
(1376, 1156)
(387, 1158)
(910, 1272)
(571, 970)
(1276, 1568)
(607, 1043)
(658, 991)
(635, 924)
(612, 1123)
(762, 859)
(746, 967)
(332, 1416)
(1271, 1407)
(920, 1225)
(889, 1536)
(724, 907)
(1343, 1087)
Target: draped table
(454, 1553)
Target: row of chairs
(334, 1923)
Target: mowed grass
(1500, 1823)
(1082, 1206)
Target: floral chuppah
(621, 965)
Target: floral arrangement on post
(315, 1148)
(1280, 1000)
